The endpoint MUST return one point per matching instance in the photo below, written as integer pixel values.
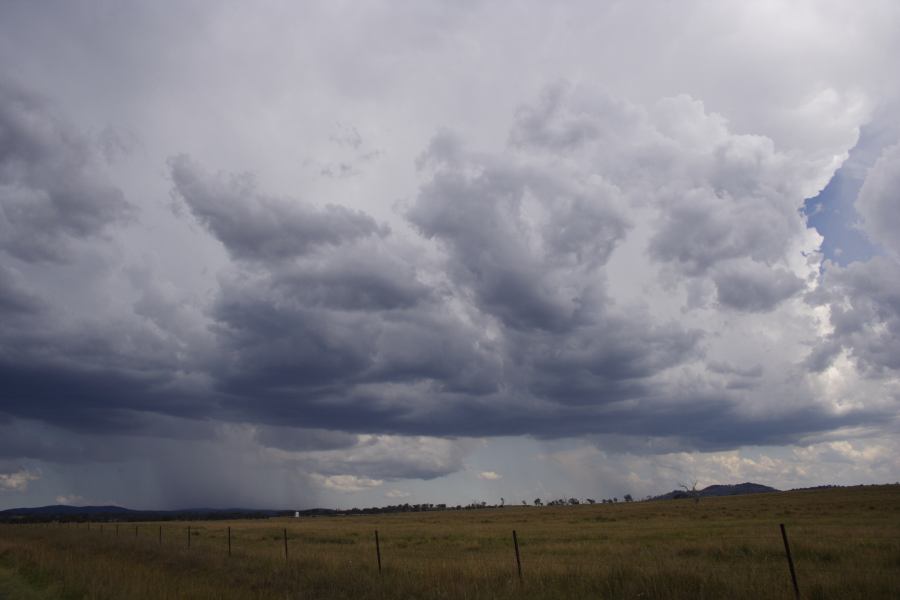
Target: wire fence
(803, 552)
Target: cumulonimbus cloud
(607, 272)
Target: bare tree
(691, 490)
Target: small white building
(297, 514)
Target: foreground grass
(845, 542)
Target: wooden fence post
(160, 535)
(787, 551)
(518, 560)
(229, 540)
(284, 531)
(189, 536)
(378, 551)
(117, 530)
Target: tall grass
(845, 542)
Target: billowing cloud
(864, 307)
(257, 227)
(879, 200)
(52, 191)
(229, 271)
(754, 287)
(512, 324)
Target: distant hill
(63, 509)
(720, 490)
(62, 512)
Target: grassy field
(845, 543)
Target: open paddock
(845, 544)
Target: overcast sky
(294, 254)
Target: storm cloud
(52, 193)
(376, 266)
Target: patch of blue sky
(832, 212)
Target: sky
(297, 254)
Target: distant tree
(628, 498)
(590, 500)
(524, 503)
(537, 502)
(502, 501)
(691, 490)
(574, 501)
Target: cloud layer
(356, 280)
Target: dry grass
(846, 544)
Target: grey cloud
(730, 369)
(565, 120)
(864, 302)
(92, 371)
(324, 321)
(363, 277)
(737, 377)
(100, 373)
(521, 334)
(608, 362)
(754, 287)
(39, 439)
(51, 189)
(15, 300)
(526, 274)
(822, 355)
(303, 363)
(305, 332)
(294, 439)
(444, 149)
(719, 196)
(702, 228)
(540, 289)
(879, 200)
(258, 227)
